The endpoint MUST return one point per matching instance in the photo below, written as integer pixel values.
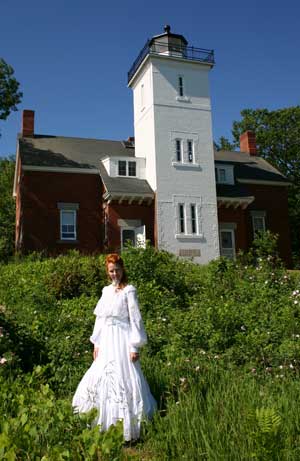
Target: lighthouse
(173, 133)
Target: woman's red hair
(114, 258)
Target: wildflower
(295, 292)
(169, 364)
(216, 357)
(295, 302)
(268, 369)
(291, 366)
(164, 319)
(281, 367)
(3, 360)
(1, 332)
(187, 360)
(202, 352)
(253, 370)
(281, 376)
(297, 336)
(243, 328)
(67, 337)
(197, 368)
(182, 380)
(266, 282)
(177, 403)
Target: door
(227, 243)
(135, 236)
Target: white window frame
(190, 150)
(227, 172)
(231, 230)
(180, 82)
(178, 150)
(127, 169)
(74, 214)
(194, 219)
(123, 161)
(258, 215)
(181, 219)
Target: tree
(10, 95)
(7, 208)
(278, 141)
(224, 144)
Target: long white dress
(114, 384)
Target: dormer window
(126, 168)
(224, 174)
(122, 168)
(131, 168)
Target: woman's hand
(96, 352)
(134, 356)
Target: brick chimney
(248, 143)
(28, 123)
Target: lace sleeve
(95, 338)
(137, 336)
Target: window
(190, 151)
(122, 168)
(131, 168)
(181, 218)
(180, 86)
(258, 221)
(222, 175)
(193, 219)
(68, 224)
(178, 150)
(227, 243)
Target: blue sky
(72, 57)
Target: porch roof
(233, 196)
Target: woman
(114, 384)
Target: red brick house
(166, 185)
(62, 182)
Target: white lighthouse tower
(173, 132)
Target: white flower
(253, 370)
(164, 319)
(243, 328)
(3, 360)
(295, 302)
(177, 403)
(169, 364)
(266, 282)
(67, 337)
(197, 368)
(291, 365)
(281, 367)
(202, 352)
(182, 380)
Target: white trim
(74, 213)
(186, 165)
(264, 182)
(56, 169)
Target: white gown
(114, 384)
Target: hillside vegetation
(222, 359)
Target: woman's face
(115, 272)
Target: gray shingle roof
(123, 186)
(248, 166)
(59, 151)
(67, 152)
(233, 191)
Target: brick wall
(40, 193)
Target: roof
(60, 151)
(118, 187)
(250, 167)
(86, 153)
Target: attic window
(126, 168)
(122, 168)
(131, 168)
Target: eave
(120, 198)
(235, 202)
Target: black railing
(168, 49)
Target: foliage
(10, 96)
(224, 144)
(222, 359)
(7, 208)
